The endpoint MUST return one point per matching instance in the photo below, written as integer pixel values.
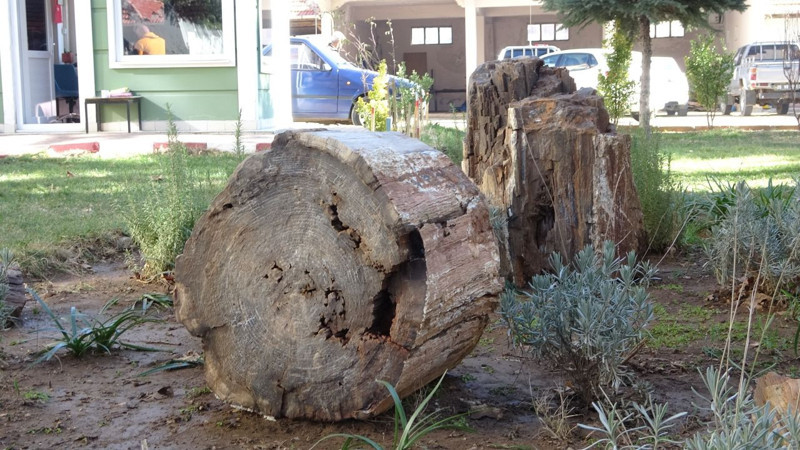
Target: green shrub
(6, 259)
(449, 141)
(584, 319)
(375, 109)
(709, 73)
(738, 423)
(161, 214)
(757, 234)
(614, 85)
(659, 195)
(403, 105)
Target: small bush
(449, 141)
(375, 109)
(709, 73)
(584, 319)
(160, 216)
(615, 86)
(6, 259)
(756, 234)
(659, 194)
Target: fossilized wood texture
(547, 158)
(15, 297)
(336, 259)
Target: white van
(518, 51)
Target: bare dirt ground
(100, 401)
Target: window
(431, 35)
(191, 33)
(667, 29)
(547, 32)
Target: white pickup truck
(759, 77)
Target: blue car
(325, 86)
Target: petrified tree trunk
(549, 160)
(334, 260)
(14, 297)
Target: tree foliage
(615, 86)
(709, 72)
(635, 17)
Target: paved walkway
(114, 144)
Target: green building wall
(192, 93)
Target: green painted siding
(195, 93)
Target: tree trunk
(334, 260)
(547, 159)
(647, 54)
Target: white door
(37, 48)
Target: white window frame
(667, 29)
(547, 32)
(117, 59)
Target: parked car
(669, 89)
(759, 77)
(518, 51)
(325, 86)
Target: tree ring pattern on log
(334, 260)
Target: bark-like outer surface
(336, 259)
(548, 158)
(15, 297)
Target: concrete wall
(513, 30)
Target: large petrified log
(336, 259)
(547, 157)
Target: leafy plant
(407, 430)
(150, 300)
(738, 422)
(160, 217)
(615, 86)
(6, 259)
(658, 192)
(585, 319)
(409, 101)
(757, 233)
(83, 333)
(376, 108)
(650, 431)
(708, 72)
(238, 145)
(449, 141)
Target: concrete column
(8, 14)
(480, 32)
(470, 36)
(280, 81)
(247, 54)
(84, 49)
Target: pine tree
(635, 17)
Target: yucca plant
(77, 338)
(407, 430)
(84, 333)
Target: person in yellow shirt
(149, 43)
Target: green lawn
(53, 208)
(732, 155)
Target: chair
(66, 81)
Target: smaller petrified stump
(15, 297)
(334, 260)
(547, 158)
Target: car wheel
(355, 116)
(683, 110)
(725, 108)
(635, 116)
(670, 112)
(783, 107)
